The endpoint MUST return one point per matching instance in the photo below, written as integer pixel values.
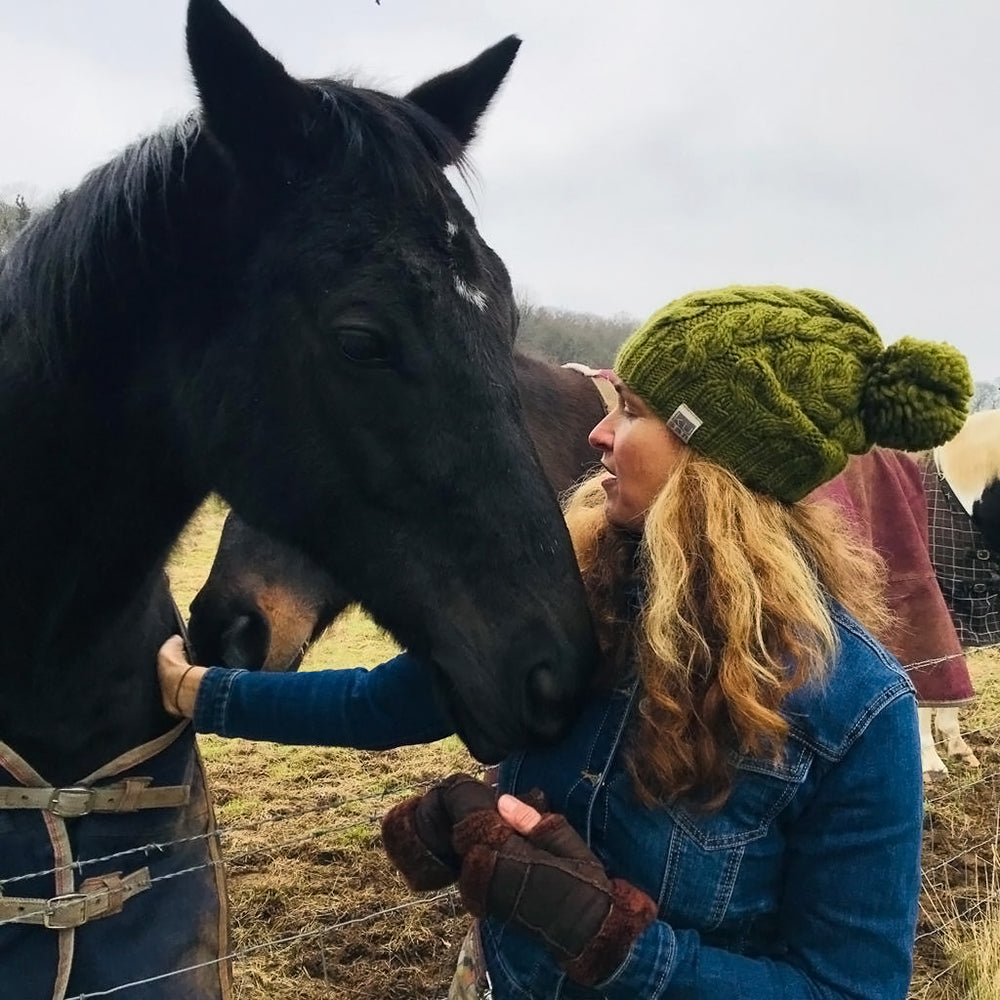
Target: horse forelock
(405, 146)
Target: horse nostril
(542, 685)
(244, 643)
(546, 701)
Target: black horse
(264, 603)
(281, 299)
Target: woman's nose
(600, 436)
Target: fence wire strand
(283, 942)
(218, 833)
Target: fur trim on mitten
(420, 867)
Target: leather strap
(98, 897)
(78, 800)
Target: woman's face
(639, 451)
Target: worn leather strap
(98, 897)
(78, 800)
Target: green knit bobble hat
(780, 386)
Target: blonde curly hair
(734, 615)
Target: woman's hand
(419, 833)
(179, 679)
(518, 814)
(542, 877)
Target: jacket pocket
(723, 869)
(761, 789)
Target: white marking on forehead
(470, 293)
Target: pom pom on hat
(917, 395)
(783, 385)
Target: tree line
(987, 396)
(13, 218)
(561, 335)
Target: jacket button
(979, 588)
(983, 554)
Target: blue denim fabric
(804, 885)
(391, 705)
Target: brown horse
(264, 603)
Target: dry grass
(312, 895)
(973, 944)
(306, 870)
(958, 936)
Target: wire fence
(374, 805)
(271, 945)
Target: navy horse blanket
(94, 901)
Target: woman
(737, 811)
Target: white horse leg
(930, 761)
(946, 723)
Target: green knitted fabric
(789, 383)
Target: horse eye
(363, 347)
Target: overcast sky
(638, 151)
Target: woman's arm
(388, 706)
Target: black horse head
(264, 603)
(411, 476)
(282, 299)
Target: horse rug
(101, 900)
(968, 572)
(882, 494)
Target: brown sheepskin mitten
(417, 833)
(550, 884)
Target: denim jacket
(804, 884)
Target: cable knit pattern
(789, 383)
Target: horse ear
(250, 104)
(458, 98)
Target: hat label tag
(684, 422)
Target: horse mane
(59, 253)
(68, 249)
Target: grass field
(318, 914)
